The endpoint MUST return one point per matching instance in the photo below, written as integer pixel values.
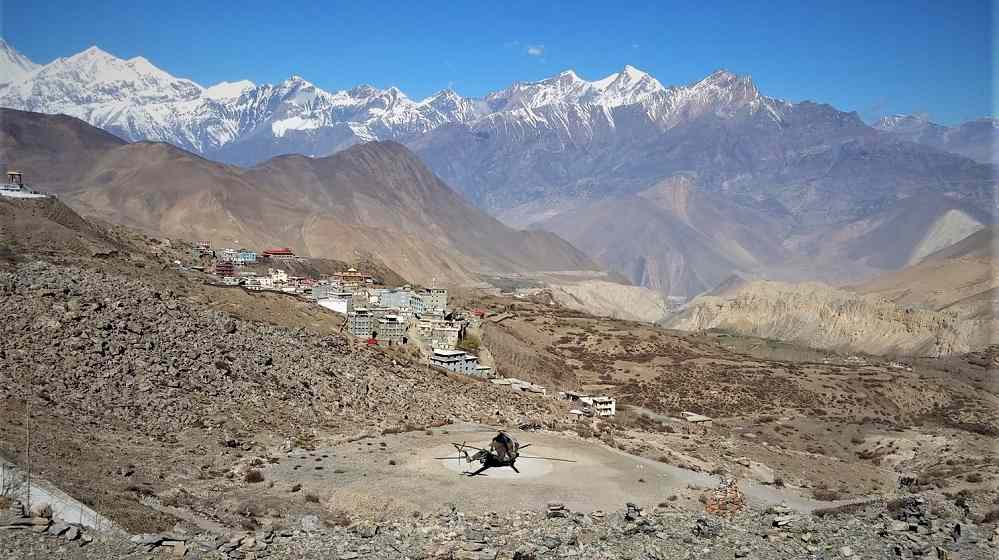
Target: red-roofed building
(225, 268)
(279, 253)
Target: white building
(259, 283)
(359, 322)
(603, 406)
(456, 361)
(228, 255)
(444, 336)
(418, 304)
(398, 298)
(15, 187)
(438, 299)
(339, 302)
(278, 276)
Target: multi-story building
(225, 268)
(391, 329)
(456, 361)
(352, 280)
(227, 255)
(359, 322)
(279, 253)
(603, 406)
(398, 298)
(435, 299)
(245, 256)
(444, 336)
(417, 304)
(277, 275)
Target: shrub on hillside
(253, 476)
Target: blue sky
(872, 57)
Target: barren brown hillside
(375, 200)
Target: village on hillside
(415, 318)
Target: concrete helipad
(415, 471)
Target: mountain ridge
(546, 154)
(376, 198)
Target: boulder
(41, 509)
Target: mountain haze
(977, 139)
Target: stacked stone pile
(38, 519)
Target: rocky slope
(138, 359)
(374, 199)
(820, 316)
(177, 420)
(914, 526)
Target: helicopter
(503, 451)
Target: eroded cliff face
(820, 316)
(610, 299)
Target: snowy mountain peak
(444, 94)
(632, 72)
(725, 79)
(228, 90)
(91, 53)
(626, 87)
(14, 66)
(727, 86)
(241, 122)
(901, 122)
(363, 91)
(296, 81)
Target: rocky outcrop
(820, 316)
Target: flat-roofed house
(456, 361)
(604, 406)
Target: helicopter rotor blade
(545, 458)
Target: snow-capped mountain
(245, 123)
(14, 66)
(674, 187)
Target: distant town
(418, 318)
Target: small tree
(470, 343)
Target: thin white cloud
(536, 50)
(634, 45)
